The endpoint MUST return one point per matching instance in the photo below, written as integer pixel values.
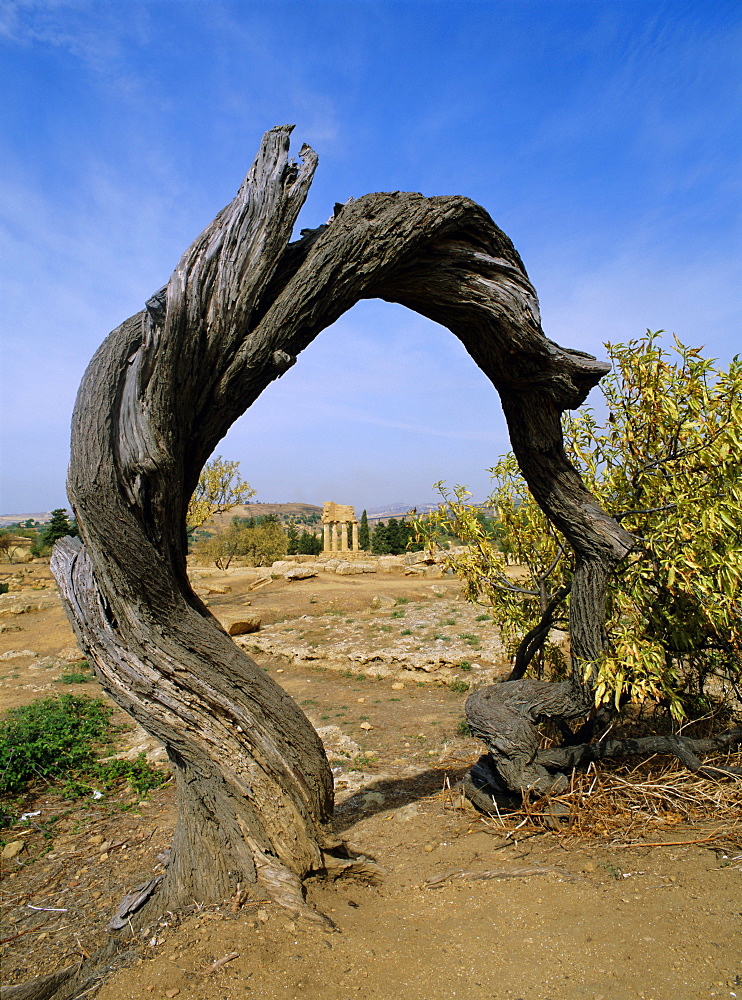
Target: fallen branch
(674, 843)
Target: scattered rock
(214, 589)
(283, 566)
(13, 654)
(398, 686)
(354, 568)
(337, 744)
(301, 573)
(12, 850)
(382, 601)
(245, 625)
(407, 813)
(366, 726)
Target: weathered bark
(504, 717)
(500, 778)
(685, 748)
(254, 787)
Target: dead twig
(675, 843)
(215, 966)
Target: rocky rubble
(431, 640)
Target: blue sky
(603, 137)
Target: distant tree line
(392, 538)
(302, 544)
(260, 541)
(257, 540)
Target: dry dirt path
(464, 910)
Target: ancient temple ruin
(335, 520)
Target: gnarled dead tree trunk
(254, 787)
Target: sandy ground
(468, 905)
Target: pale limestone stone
(301, 573)
(281, 566)
(382, 601)
(245, 626)
(13, 849)
(391, 564)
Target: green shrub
(141, 775)
(75, 677)
(50, 738)
(55, 740)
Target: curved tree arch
(254, 787)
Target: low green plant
(464, 665)
(50, 739)
(75, 677)
(56, 740)
(4, 588)
(400, 613)
(458, 686)
(139, 773)
(612, 869)
(463, 729)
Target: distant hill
(310, 515)
(307, 514)
(396, 510)
(42, 518)
(302, 513)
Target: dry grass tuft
(638, 804)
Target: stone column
(344, 536)
(334, 536)
(355, 536)
(326, 539)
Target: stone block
(301, 573)
(245, 625)
(382, 601)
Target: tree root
(74, 980)
(505, 716)
(684, 748)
